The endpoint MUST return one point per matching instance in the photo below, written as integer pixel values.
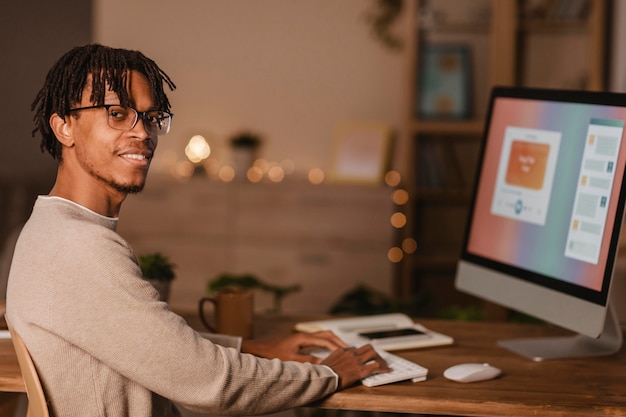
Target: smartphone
(382, 334)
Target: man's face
(117, 161)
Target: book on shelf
(438, 165)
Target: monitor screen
(544, 223)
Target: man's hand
(353, 364)
(290, 348)
(349, 363)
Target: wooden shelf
(450, 127)
(552, 26)
(286, 233)
(443, 153)
(443, 195)
(463, 27)
(437, 262)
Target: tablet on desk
(389, 333)
(386, 331)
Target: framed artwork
(444, 81)
(361, 153)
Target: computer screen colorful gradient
(547, 195)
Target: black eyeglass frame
(138, 114)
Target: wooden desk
(11, 382)
(572, 387)
(10, 375)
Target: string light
(254, 174)
(398, 220)
(393, 178)
(226, 173)
(197, 149)
(400, 197)
(276, 174)
(395, 254)
(316, 176)
(409, 245)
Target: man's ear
(61, 130)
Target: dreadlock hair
(108, 68)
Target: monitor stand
(543, 348)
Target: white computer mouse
(471, 372)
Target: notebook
(388, 332)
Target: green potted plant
(245, 146)
(252, 282)
(382, 18)
(159, 271)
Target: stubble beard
(128, 189)
(110, 180)
(120, 187)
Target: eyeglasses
(125, 118)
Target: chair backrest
(37, 406)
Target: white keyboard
(402, 369)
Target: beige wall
(290, 70)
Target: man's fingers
(353, 364)
(330, 336)
(371, 360)
(367, 353)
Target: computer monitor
(544, 223)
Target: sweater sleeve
(224, 340)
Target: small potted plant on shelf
(245, 146)
(159, 271)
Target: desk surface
(569, 387)
(10, 376)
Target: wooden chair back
(37, 406)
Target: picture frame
(361, 153)
(444, 81)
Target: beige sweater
(105, 346)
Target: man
(101, 341)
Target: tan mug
(233, 309)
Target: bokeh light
(393, 178)
(398, 220)
(395, 254)
(226, 173)
(409, 245)
(400, 197)
(197, 149)
(316, 176)
(276, 173)
(254, 174)
(184, 169)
